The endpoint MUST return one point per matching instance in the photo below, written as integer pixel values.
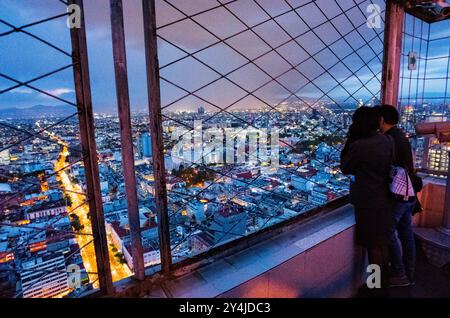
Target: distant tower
(201, 110)
(374, 101)
(360, 103)
(144, 146)
(407, 119)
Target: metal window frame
(89, 146)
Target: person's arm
(350, 159)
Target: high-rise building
(201, 110)
(145, 146)
(44, 276)
(4, 156)
(407, 119)
(438, 157)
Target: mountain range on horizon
(58, 111)
(37, 111)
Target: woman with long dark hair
(367, 156)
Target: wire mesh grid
(255, 65)
(44, 221)
(424, 87)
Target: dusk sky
(23, 58)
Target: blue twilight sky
(23, 58)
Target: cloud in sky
(60, 91)
(22, 90)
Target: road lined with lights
(80, 208)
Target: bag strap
(407, 179)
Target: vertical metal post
(159, 170)
(393, 34)
(87, 134)
(126, 135)
(426, 152)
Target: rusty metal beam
(154, 104)
(126, 135)
(433, 128)
(393, 34)
(440, 130)
(89, 146)
(418, 8)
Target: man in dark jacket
(402, 266)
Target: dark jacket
(403, 157)
(369, 161)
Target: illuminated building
(4, 156)
(44, 276)
(144, 146)
(36, 213)
(438, 157)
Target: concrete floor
(431, 282)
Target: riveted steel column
(88, 143)
(159, 171)
(126, 135)
(393, 36)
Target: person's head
(389, 117)
(366, 122)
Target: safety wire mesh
(424, 88)
(296, 68)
